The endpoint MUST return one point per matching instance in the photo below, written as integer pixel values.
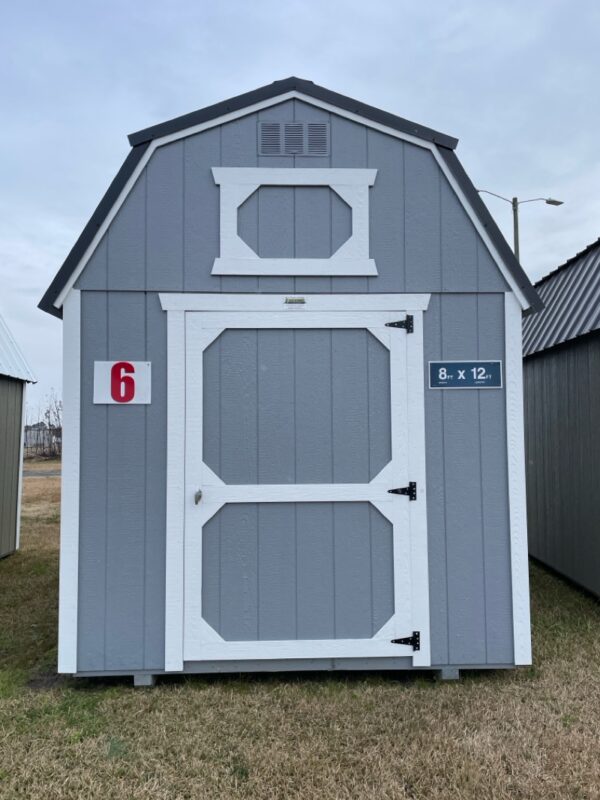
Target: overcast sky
(516, 82)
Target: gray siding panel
(297, 571)
(471, 613)
(436, 490)
(422, 243)
(94, 488)
(127, 242)
(466, 589)
(95, 275)
(122, 509)
(296, 406)
(349, 149)
(494, 490)
(489, 277)
(239, 148)
(562, 408)
(11, 403)
(201, 211)
(458, 244)
(156, 480)
(125, 511)
(165, 217)
(283, 112)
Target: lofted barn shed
(15, 374)
(293, 433)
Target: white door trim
(515, 437)
(69, 513)
(21, 453)
(175, 491)
(216, 493)
(292, 303)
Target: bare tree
(43, 428)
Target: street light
(515, 203)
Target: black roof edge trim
(281, 87)
(90, 230)
(516, 270)
(568, 263)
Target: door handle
(198, 497)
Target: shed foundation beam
(449, 674)
(143, 680)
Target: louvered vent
(270, 138)
(293, 138)
(318, 138)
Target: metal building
(14, 376)
(562, 410)
(293, 432)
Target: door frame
(247, 307)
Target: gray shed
(15, 374)
(293, 433)
(562, 411)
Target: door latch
(198, 497)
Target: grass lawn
(532, 733)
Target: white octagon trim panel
(238, 183)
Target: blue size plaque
(465, 374)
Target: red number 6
(122, 385)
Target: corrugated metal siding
(12, 360)
(572, 299)
(11, 405)
(562, 410)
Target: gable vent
(293, 138)
(270, 138)
(318, 138)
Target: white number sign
(122, 382)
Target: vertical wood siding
(11, 399)
(166, 238)
(274, 571)
(562, 409)
(121, 614)
(123, 479)
(304, 406)
(166, 235)
(467, 484)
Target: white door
(298, 423)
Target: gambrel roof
(145, 140)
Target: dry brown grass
(40, 464)
(523, 734)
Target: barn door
(298, 425)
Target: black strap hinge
(410, 490)
(408, 322)
(413, 641)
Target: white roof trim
(12, 360)
(252, 109)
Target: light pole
(515, 203)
